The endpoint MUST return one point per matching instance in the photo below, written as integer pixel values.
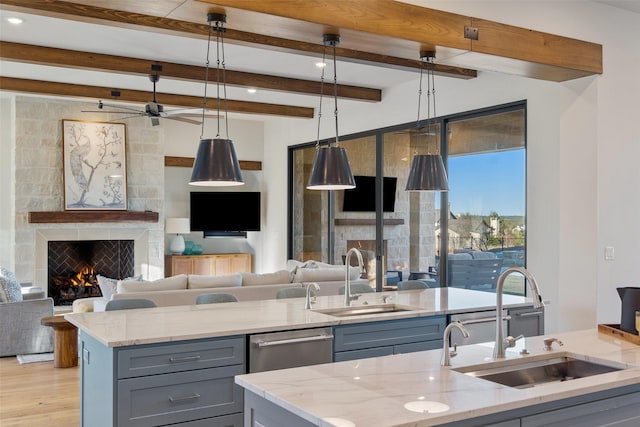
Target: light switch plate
(608, 253)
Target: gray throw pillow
(108, 286)
(10, 285)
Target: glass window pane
(486, 166)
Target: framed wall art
(95, 172)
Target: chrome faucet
(549, 341)
(501, 344)
(308, 302)
(347, 282)
(446, 356)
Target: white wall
(582, 175)
(7, 144)
(182, 140)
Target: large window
(410, 234)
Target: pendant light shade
(216, 164)
(427, 170)
(427, 174)
(331, 170)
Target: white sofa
(185, 289)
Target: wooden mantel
(59, 217)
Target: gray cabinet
(384, 338)
(527, 321)
(188, 383)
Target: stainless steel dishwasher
(481, 326)
(290, 349)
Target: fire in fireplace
(74, 265)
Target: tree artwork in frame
(95, 173)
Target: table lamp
(177, 226)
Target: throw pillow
(168, 284)
(10, 286)
(204, 282)
(279, 277)
(109, 286)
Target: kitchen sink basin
(362, 310)
(537, 370)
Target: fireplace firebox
(73, 267)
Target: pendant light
(331, 169)
(216, 164)
(427, 170)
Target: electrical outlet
(608, 253)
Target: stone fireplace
(73, 267)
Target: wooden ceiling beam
(96, 14)
(496, 46)
(95, 61)
(96, 92)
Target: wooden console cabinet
(210, 265)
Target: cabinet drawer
(394, 332)
(233, 420)
(176, 357)
(183, 396)
(417, 346)
(362, 354)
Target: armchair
(20, 328)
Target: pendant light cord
(206, 80)
(224, 84)
(324, 57)
(335, 89)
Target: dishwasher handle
(262, 344)
(483, 320)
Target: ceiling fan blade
(183, 119)
(132, 116)
(121, 107)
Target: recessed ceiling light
(251, 90)
(321, 64)
(14, 20)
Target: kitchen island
(414, 390)
(170, 365)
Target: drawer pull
(183, 359)
(183, 398)
(529, 314)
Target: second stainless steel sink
(533, 371)
(363, 310)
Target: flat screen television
(223, 211)
(363, 197)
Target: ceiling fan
(152, 109)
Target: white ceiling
(630, 5)
(66, 34)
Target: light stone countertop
(165, 324)
(373, 392)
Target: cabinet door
(203, 265)
(222, 265)
(241, 263)
(526, 321)
(181, 265)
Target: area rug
(31, 358)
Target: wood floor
(37, 394)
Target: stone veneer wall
(39, 179)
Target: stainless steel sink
(363, 310)
(537, 370)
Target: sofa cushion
(109, 286)
(202, 282)
(11, 289)
(324, 274)
(278, 277)
(170, 283)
